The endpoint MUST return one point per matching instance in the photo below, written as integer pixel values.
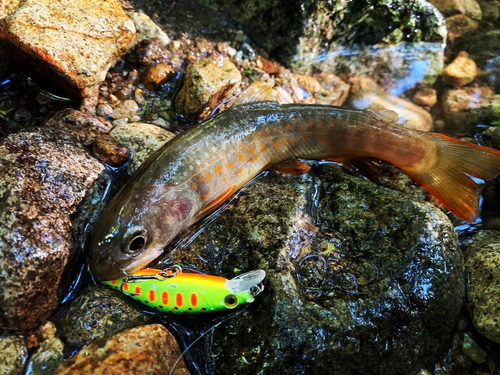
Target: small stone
(126, 109)
(104, 110)
(46, 331)
(270, 67)
(459, 26)
(110, 152)
(149, 349)
(150, 51)
(13, 354)
(207, 83)
(146, 28)
(461, 71)
(425, 97)
(138, 96)
(47, 358)
(154, 76)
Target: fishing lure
(178, 292)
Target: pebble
(155, 75)
(461, 71)
(459, 26)
(13, 354)
(111, 152)
(126, 109)
(425, 97)
(104, 110)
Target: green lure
(177, 292)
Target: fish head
(135, 227)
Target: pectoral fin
(217, 202)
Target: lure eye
(135, 240)
(230, 301)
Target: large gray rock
(360, 279)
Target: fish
(177, 292)
(197, 171)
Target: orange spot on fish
(311, 124)
(202, 197)
(292, 141)
(194, 186)
(207, 176)
(164, 297)
(284, 141)
(320, 139)
(249, 171)
(276, 144)
(263, 148)
(217, 169)
(280, 154)
(301, 126)
(152, 295)
(268, 130)
(242, 145)
(194, 300)
(260, 134)
(239, 171)
(207, 194)
(200, 179)
(240, 156)
(229, 165)
(178, 299)
(288, 127)
(224, 179)
(256, 157)
(137, 290)
(250, 150)
(304, 139)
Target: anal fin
(292, 166)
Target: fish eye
(135, 240)
(230, 301)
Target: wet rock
(7, 7)
(150, 51)
(46, 331)
(410, 115)
(465, 108)
(110, 152)
(327, 89)
(360, 279)
(143, 139)
(51, 190)
(154, 76)
(104, 110)
(425, 97)
(459, 26)
(147, 29)
(47, 358)
(79, 125)
(206, 83)
(149, 349)
(13, 354)
(489, 9)
(461, 71)
(270, 67)
(482, 262)
(470, 8)
(95, 314)
(69, 44)
(303, 31)
(126, 110)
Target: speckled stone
(206, 83)
(125, 110)
(461, 71)
(13, 354)
(47, 358)
(70, 44)
(50, 189)
(149, 350)
(95, 314)
(482, 262)
(110, 152)
(146, 28)
(143, 139)
(360, 279)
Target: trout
(197, 171)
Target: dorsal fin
(384, 114)
(257, 92)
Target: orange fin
(292, 166)
(221, 198)
(449, 180)
(257, 92)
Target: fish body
(189, 293)
(198, 170)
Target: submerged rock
(360, 279)
(149, 349)
(13, 354)
(50, 189)
(482, 263)
(461, 71)
(47, 358)
(69, 44)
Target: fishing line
(211, 329)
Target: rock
(410, 115)
(46, 331)
(50, 190)
(461, 71)
(459, 26)
(270, 67)
(207, 83)
(149, 349)
(150, 51)
(104, 110)
(465, 108)
(469, 8)
(360, 279)
(126, 109)
(482, 262)
(489, 9)
(143, 139)
(110, 152)
(483, 48)
(323, 88)
(47, 358)
(77, 124)
(425, 97)
(13, 354)
(155, 75)
(95, 314)
(7, 7)
(302, 32)
(69, 44)
(147, 29)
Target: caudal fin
(450, 182)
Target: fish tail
(449, 180)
